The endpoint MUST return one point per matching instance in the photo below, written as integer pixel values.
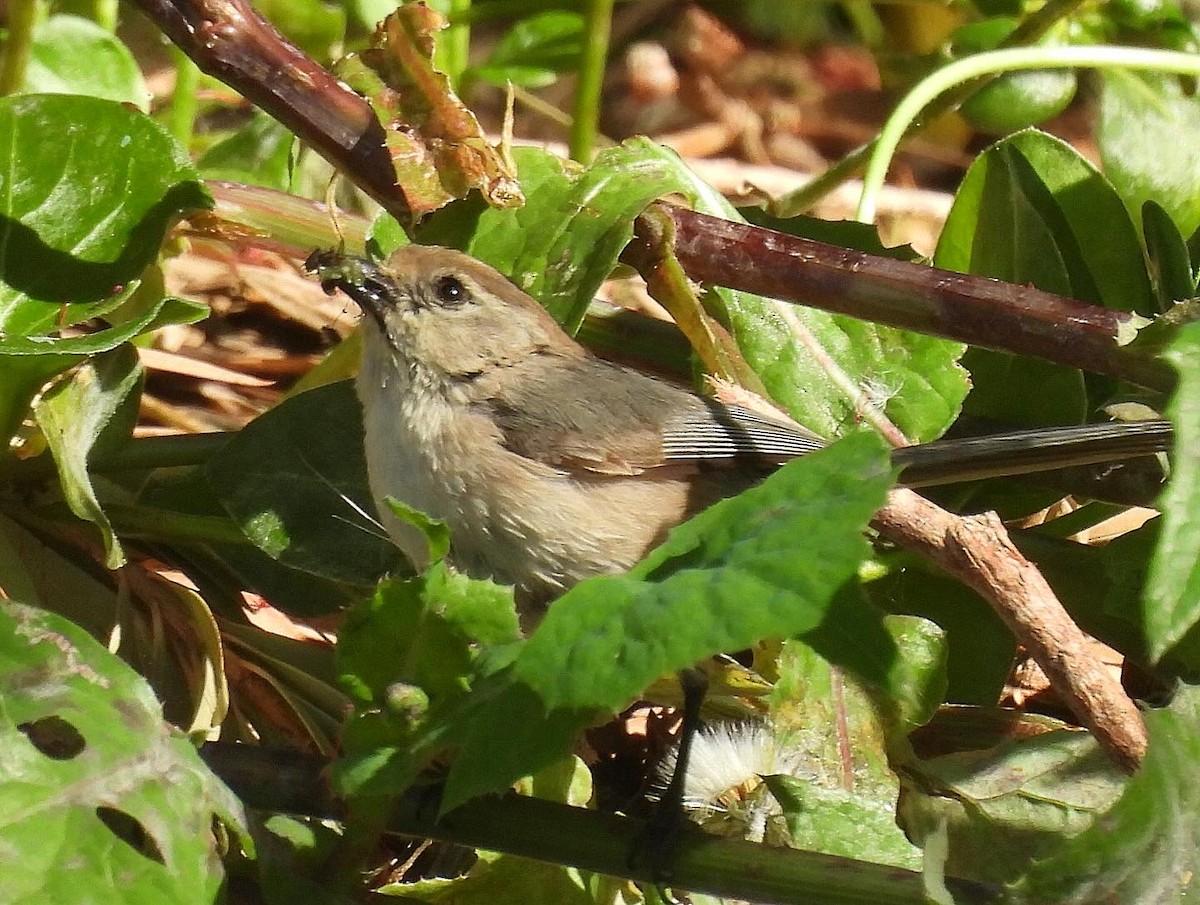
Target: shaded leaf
(73, 416)
(534, 51)
(89, 188)
(1146, 847)
(1168, 256)
(295, 480)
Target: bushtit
(549, 464)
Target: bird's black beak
(361, 279)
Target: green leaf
(725, 579)
(1005, 807)
(1030, 211)
(259, 153)
(73, 416)
(980, 648)
(72, 55)
(1172, 601)
(101, 798)
(1149, 135)
(296, 481)
(1145, 848)
(89, 188)
(839, 822)
(722, 581)
(21, 378)
(535, 50)
(1169, 259)
(315, 27)
(565, 241)
(422, 631)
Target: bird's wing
(592, 415)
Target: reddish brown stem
(982, 312)
(230, 40)
(978, 552)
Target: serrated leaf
(1171, 606)
(727, 578)
(89, 768)
(89, 188)
(295, 480)
(73, 416)
(72, 55)
(1142, 113)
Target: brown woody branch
(978, 552)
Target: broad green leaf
(534, 51)
(101, 800)
(407, 657)
(832, 734)
(89, 188)
(1146, 847)
(722, 581)
(259, 153)
(73, 416)
(1007, 806)
(729, 577)
(422, 631)
(295, 480)
(1028, 211)
(72, 55)
(243, 566)
(1172, 601)
(1149, 135)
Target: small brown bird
(551, 465)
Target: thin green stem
(182, 117)
(453, 52)
(23, 18)
(104, 14)
(1030, 30)
(967, 70)
(597, 26)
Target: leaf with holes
(100, 800)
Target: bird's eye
(450, 290)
